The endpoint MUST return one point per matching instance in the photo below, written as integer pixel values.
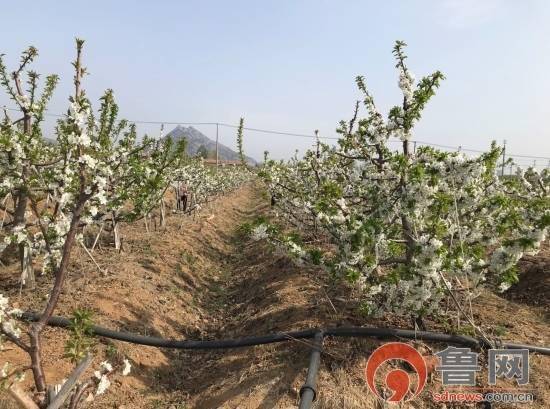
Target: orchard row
(407, 226)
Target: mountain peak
(195, 139)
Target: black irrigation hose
(383, 333)
(308, 392)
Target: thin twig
(14, 339)
(329, 300)
(460, 309)
(92, 258)
(97, 237)
(312, 345)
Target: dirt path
(190, 281)
(199, 279)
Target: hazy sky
(290, 65)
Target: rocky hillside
(196, 139)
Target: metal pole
(217, 136)
(503, 158)
(308, 392)
(317, 142)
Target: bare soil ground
(199, 279)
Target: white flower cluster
(117, 175)
(8, 317)
(259, 232)
(103, 373)
(406, 84)
(402, 225)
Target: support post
(162, 214)
(217, 137)
(503, 158)
(27, 276)
(116, 232)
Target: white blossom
(259, 232)
(127, 367)
(103, 385)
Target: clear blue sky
(290, 65)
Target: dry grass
(7, 403)
(344, 391)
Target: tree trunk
(27, 272)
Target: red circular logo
(397, 380)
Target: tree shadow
(533, 288)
